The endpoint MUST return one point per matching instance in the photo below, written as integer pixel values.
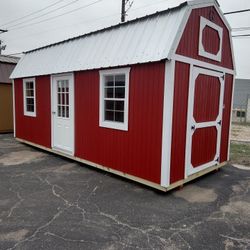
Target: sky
(76, 17)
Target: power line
(32, 13)
(240, 29)
(236, 12)
(65, 13)
(44, 14)
(245, 35)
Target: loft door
(204, 123)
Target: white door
(205, 108)
(63, 113)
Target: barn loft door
(204, 123)
(63, 113)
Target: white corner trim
(230, 121)
(28, 113)
(110, 124)
(167, 122)
(51, 110)
(14, 107)
(202, 52)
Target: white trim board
(230, 121)
(202, 64)
(167, 122)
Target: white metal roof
(146, 39)
(9, 59)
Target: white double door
(62, 108)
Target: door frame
(72, 80)
(194, 72)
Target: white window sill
(114, 125)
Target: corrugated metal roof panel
(144, 40)
(9, 59)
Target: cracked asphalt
(48, 202)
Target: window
(29, 94)
(114, 89)
(241, 113)
(63, 98)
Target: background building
(7, 64)
(241, 103)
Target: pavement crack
(38, 229)
(240, 240)
(68, 239)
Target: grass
(240, 153)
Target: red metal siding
(226, 117)
(34, 129)
(189, 43)
(206, 98)
(209, 35)
(204, 141)
(136, 151)
(177, 168)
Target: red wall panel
(34, 129)
(177, 167)
(136, 151)
(226, 117)
(206, 98)
(189, 43)
(204, 142)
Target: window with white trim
(114, 91)
(205, 23)
(29, 95)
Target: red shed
(149, 99)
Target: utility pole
(124, 10)
(2, 47)
(2, 31)
(123, 13)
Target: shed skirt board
(128, 176)
(62, 101)
(205, 106)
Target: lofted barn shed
(149, 99)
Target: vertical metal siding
(207, 98)
(177, 167)
(34, 129)
(189, 43)
(136, 151)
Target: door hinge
(223, 77)
(219, 122)
(218, 158)
(193, 127)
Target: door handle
(53, 112)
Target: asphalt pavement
(49, 202)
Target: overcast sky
(88, 15)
